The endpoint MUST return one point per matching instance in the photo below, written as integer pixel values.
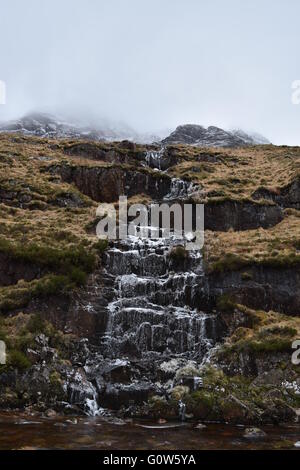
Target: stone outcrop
(223, 215)
(13, 270)
(107, 183)
(264, 287)
(287, 196)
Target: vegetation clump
(266, 332)
(178, 253)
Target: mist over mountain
(46, 125)
(154, 64)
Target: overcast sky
(155, 64)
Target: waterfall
(153, 314)
(181, 410)
(154, 159)
(154, 306)
(181, 189)
(91, 406)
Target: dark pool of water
(20, 431)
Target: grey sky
(155, 63)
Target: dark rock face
(240, 215)
(268, 288)
(12, 271)
(192, 134)
(86, 313)
(16, 198)
(106, 184)
(68, 200)
(288, 196)
(92, 151)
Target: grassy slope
(236, 174)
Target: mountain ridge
(46, 125)
(212, 136)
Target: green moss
(246, 276)
(18, 360)
(178, 253)
(271, 344)
(78, 277)
(36, 324)
(161, 408)
(233, 262)
(280, 330)
(229, 262)
(56, 383)
(71, 267)
(226, 303)
(101, 245)
(18, 296)
(51, 258)
(51, 285)
(203, 404)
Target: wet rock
(80, 391)
(33, 356)
(270, 377)
(191, 382)
(69, 200)
(277, 411)
(50, 413)
(254, 433)
(234, 410)
(118, 371)
(168, 369)
(117, 395)
(200, 426)
(72, 421)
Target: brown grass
(238, 172)
(257, 244)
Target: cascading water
(153, 309)
(181, 411)
(154, 159)
(181, 189)
(154, 315)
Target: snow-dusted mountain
(45, 125)
(212, 136)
